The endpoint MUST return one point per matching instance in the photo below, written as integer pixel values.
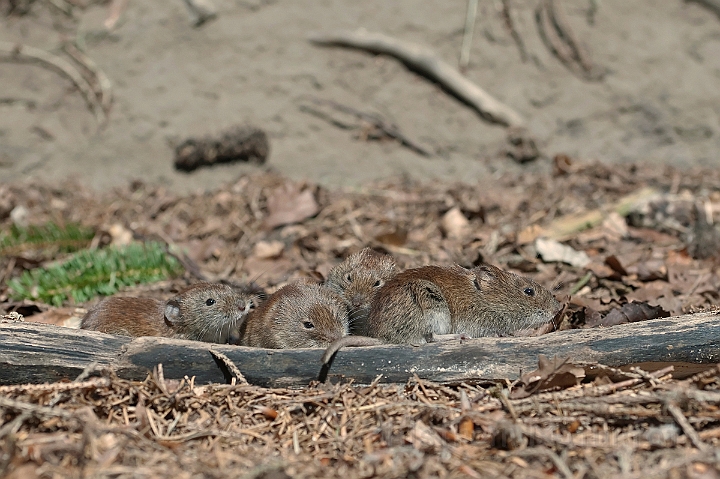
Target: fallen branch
(35, 353)
(424, 61)
(686, 427)
(566, 227)
(24, 53)
(381, 127)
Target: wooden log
(35, 353)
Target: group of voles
(363, 296)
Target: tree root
(426, 63)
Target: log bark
(36, 353)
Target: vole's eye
(476, 284)
(529, 291)
(308, 325)
(210, 302)
(377, 284)
(348, 277)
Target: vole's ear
(425, 293)
(484, 274)
(172, 312)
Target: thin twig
(470, 18)
(561, 24)
(54, 387)
(24, 407)
(687, 428)
(513, 31)
(89, 369)
(388, 129)
(544, 451)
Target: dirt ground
(657, 101)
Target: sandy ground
(659, 99)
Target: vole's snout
(357, 300)
(242, 307)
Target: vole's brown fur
(436, 300)
(299, 315)
(202, 312)
(420, 304)
(358, 279)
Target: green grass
(89, 273)
(47, 240)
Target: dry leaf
(551, 373)
(629, 313)
(552, 251)
(615, 227)
(616, 265)
(289, 204)
(267, 271)
(393, 238)
(268, 249)
(454, 224)
(120, 235)
(467, 428)
(699, 470)
(424, 438)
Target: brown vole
(420, 304)
(202, 312)
(357, 280)
(299, 315)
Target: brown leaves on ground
(634, 223)
(289, 204)
(627, 313)
(555, 373)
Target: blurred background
(643, 87)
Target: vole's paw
(450, 337)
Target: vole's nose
(357, 300)
(241, 306)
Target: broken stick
(566, 227)
(381, 127)
(425, 62)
